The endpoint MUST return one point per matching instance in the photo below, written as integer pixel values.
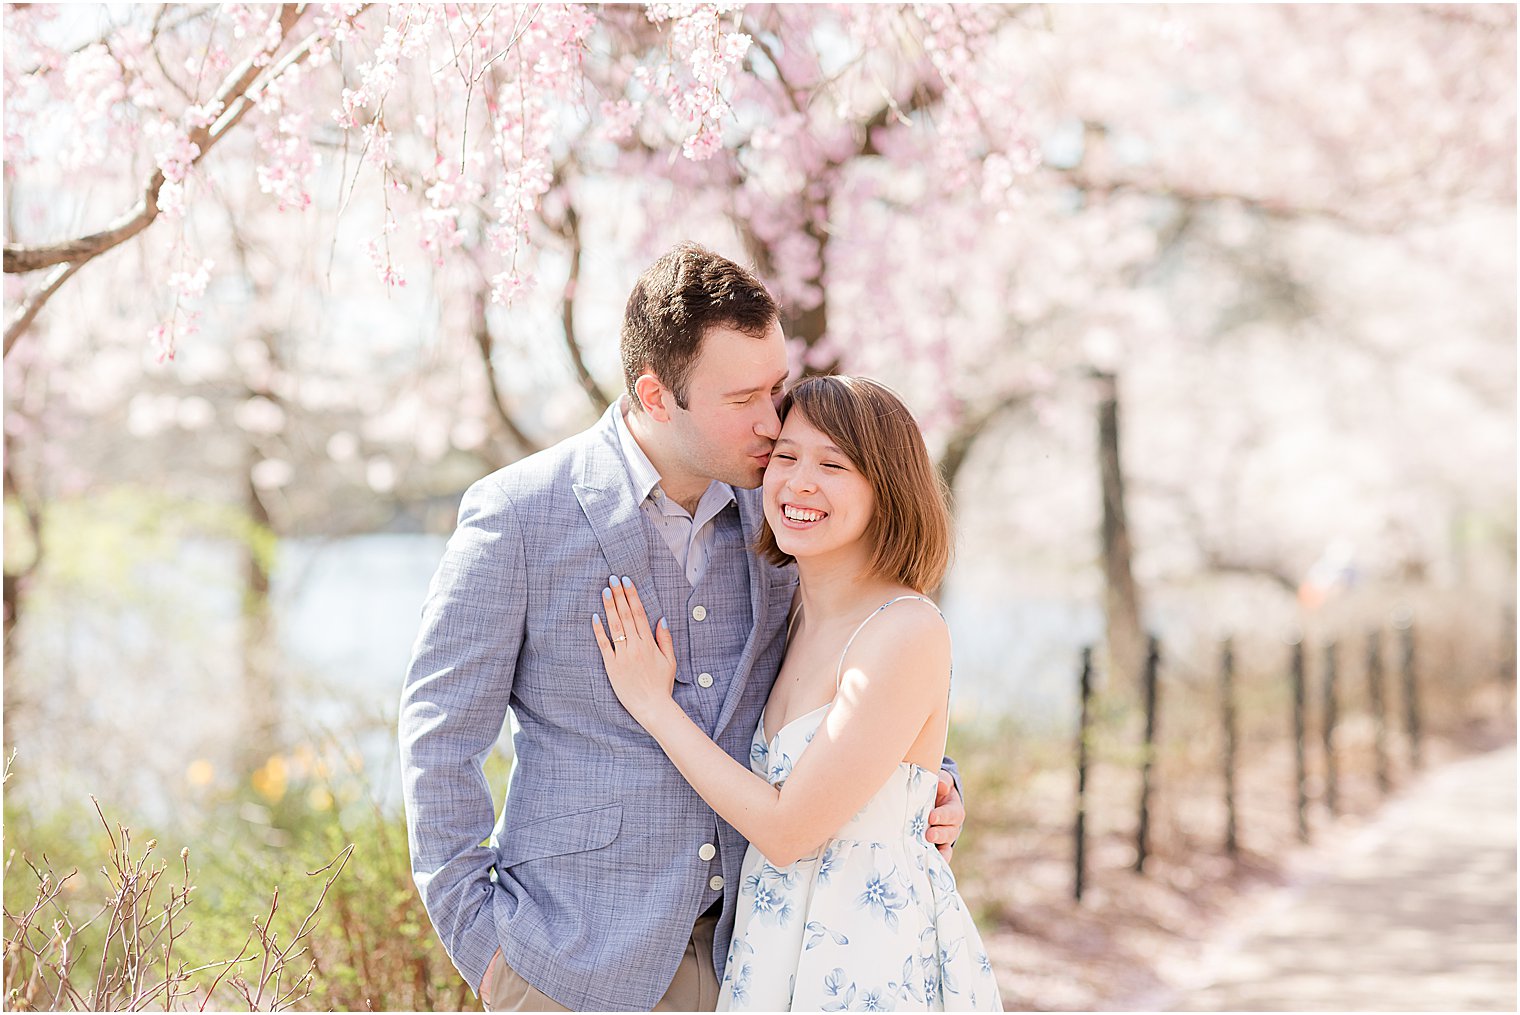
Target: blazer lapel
(606, 496)
(750, 517)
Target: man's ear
(654, 397)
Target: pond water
(144, 694)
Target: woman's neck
(839, 587)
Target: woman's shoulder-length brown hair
(910, 530)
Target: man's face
(730, 422)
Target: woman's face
(816, 500)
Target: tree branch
(32, 307)
(233, 93)
(571, 231)
(235, 104)
(484, 342)
(958, 448)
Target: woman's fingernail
(627, 582)
(606, 593)
(663, 624)
(613, 580)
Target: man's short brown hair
(910, 529)
(673, 304)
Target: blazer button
(716, 884)
(699, 613)
(708, 851)
(704, 679)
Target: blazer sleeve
(453, 705)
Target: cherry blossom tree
(981, 204)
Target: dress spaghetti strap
(839, 670)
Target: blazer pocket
(561, 834)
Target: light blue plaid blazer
(592, 879)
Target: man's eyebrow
(751, 391)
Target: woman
(843, 904)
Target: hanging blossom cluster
(493, 92)
(525, 118)
(981, 137)
(104, 90)
(703, 58)
(463, 111)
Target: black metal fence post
(1330, 720)
(1081, 825)
(1507, 655)
(1301, 775)
(1375, 702)
(1142, 834)
(1227, 689)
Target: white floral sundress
(871, 922)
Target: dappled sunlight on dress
(872, 922)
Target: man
(607, 883)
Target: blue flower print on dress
(918, 825)
(780, 769)
(738, 947)
(933, 996)
(786, 875)
(881, 898)
(875, 1000)
(834, 986)
(907, 988)
(826, 865)
(947, 899)
(947, 981)
(738, 986)
(759, 755)
(816, 932)
(771, 904)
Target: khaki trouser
(694, 987)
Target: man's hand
(948, 816)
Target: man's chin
(748, 478)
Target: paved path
(1416, 912)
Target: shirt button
(704, 679)
(699, 613)
(716, 884)
(708, 851)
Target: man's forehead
(734, 361)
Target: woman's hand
(640, 660)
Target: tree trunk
(1121, 600)
(12, 702)
(15, 593)
(260, 734)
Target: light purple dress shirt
(690, 537)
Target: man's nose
(769, 424)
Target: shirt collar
(646, 479)
(640, 468)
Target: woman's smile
(795, 516)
